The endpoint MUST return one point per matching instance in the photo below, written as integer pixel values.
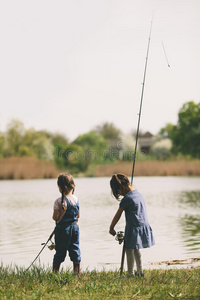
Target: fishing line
(165, 54)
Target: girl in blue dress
(66, 214)
(138, 232)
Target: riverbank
(39, 283)
(33, 168)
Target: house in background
(145, 142)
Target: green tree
(70, 158)
(43, 147)
(21, 142)
(27, 148)
(13, 138)
(2, 144)
(56, 138)
(109, 131)
(167, 131)
(186, 135)
(36, 143)
(59, 143)
(93, 148)
(113, 137)
(59, 139)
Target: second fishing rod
(137, 132)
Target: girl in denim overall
(66, 214)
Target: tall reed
(151, 168)
(26, 168)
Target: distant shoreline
(151, 168)
(33, 168)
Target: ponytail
(62, 201)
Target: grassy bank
(151, 168)
(42, 284)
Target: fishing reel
(51, 246)
(119, 236)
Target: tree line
(104, 144)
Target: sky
(67, 66)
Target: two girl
(138, 233)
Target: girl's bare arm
(55, 215)
(115, 220)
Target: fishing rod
(51, 247)
(137, 132)
(141, 100)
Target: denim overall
(67, 235)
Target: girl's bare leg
(138, 260)
(130, 260)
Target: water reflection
(190, 222)
(191, 198)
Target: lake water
(173, 207)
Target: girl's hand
(64, 207)
(115, 220)
(112, 231)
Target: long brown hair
(118, 183)
(66, 184)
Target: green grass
(41, 283)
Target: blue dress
(138, 232)
(67, 235)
